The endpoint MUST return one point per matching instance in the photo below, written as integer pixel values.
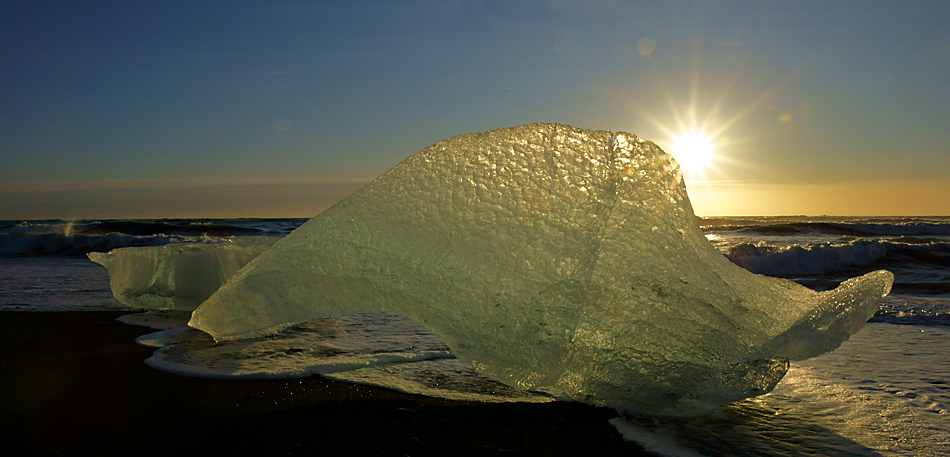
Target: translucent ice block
(549, 256)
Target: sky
(280, 108)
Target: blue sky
(243, 109)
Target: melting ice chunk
(549, 256)
(176, 276)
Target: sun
(693, 150)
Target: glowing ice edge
(176, 276)
(549, 256)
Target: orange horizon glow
(237, 199)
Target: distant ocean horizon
(884, 392)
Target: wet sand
(75, 383)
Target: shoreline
(75, 383)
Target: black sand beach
(75, 383)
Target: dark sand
(74, 383)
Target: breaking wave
(77, 238)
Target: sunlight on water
(884, 392)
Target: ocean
(886, 391)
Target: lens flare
(646, 46)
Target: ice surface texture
(549, 256)
(176, 276)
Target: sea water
(884, 392)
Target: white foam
(157, 319)
(377, 349)
(652, 441)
